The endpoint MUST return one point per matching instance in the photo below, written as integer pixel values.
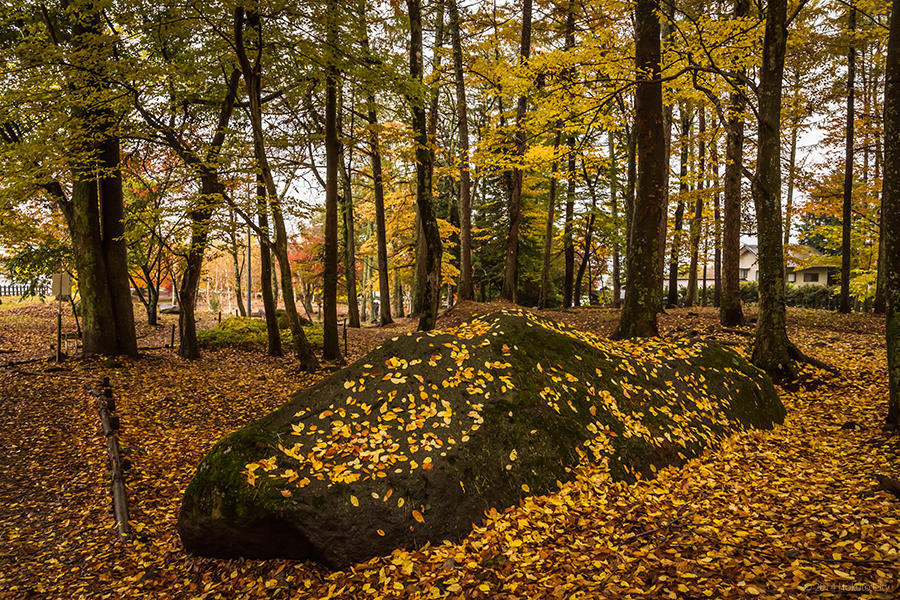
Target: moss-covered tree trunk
(465, 185)
(891, 215)
(431, 284)
(771, 348)
(90, 264)
(95, 209)
(642, 274)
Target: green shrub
(810, 296)
(749, 292)
(285, 323)
(250, 334)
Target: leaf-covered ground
(794, 512)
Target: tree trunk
(697, 218)
(398, 294)
(113, 246)
(236, 264)
(792, 164)
(847, 216)
(332, 348)
(514, 210)
(568, 226)
(431, 285)
(585, 260)
(717, 225)
(672, 300)
(252, 77)
(891, 214)
(153, 305)
(630, 183)
(548, 231)
(273, 334)
(668, 9)
(465, 192)
(614, 209)
(771, 348)
(384, 303)
(642, 274)
(345, 160)
(730, 313)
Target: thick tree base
(731, 317)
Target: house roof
(798, 255)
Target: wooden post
(106, 407)
(345, 337)
(58, 331)
(220, 317)
(172, 338)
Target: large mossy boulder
(413, 442)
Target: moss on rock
(413, 442)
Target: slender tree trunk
(384, 302)
(642, 274)
(847, 216)
(585, 260)
(614, 209)
(631, 181)
(465, 193)
(273, 333)
(514, 210)
(717, 225)
(730, 313)
(668, 9)
(568, 227)
(252, 77)
(891, 213)
(398, 294)
(332, 348)
(672, 300)
(236, 264)
(345, 160)
(697, 218)
(431, 284)
(771, 348)
(548, 232)
(792, 164)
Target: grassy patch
(247, 333)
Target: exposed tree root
(798, 355)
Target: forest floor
(794, 512)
